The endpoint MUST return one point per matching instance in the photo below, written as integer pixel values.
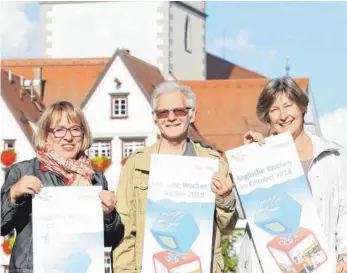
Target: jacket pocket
(141, 187)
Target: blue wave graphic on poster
(73, 253)
(297, 188)
(202, 211)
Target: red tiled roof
(23, 108)
(67, 79)
(226, 109)
(75, 80)
(218, 68)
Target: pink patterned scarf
(75, 172)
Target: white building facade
(168, 35)
(120, 118)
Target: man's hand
(220, 185)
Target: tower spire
(287, 65)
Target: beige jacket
(132, 197)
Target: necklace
(299, 151)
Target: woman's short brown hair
(275, 87)
(54, 113)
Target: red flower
(8, 157)
(100, 163)
(6, 248)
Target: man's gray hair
(169, 87)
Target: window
(119, 107)
(100, 148)
(130, 146)
(188, 35)
(9, 144)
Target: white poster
(279, 207)
(68, 230)
(179, 215)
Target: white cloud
(19, 35)
(334, 126)
(238, 43)
(244, 51)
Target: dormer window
(119, 105)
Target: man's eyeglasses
(178, 112)
(60, 132)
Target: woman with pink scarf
(61, 141)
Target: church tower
(169, 35)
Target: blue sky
(259, 36)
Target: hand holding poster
(68, 231)
(279, 207)
(180, 212)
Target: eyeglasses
(178, 112)
(60, 132)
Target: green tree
(229, 255)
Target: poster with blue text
(179, 215)
(68, 230)
(280, 210)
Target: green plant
(230, 257)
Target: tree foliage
(228, 250)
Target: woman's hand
(28, 184)
(108, 200)
(251, 136)
(220, 185)
(341, 266)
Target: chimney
(38, 80)
(10, 76)
(22, 90)
(32, 93)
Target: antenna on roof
(287, 66)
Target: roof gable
(145, 75)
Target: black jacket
(18, 216)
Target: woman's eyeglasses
(60, 132)
(178, 112)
